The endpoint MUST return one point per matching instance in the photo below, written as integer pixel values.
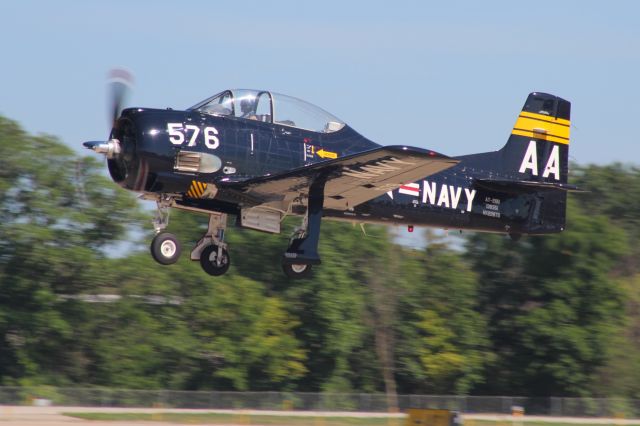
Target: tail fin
(538, 148)
(536, 157)
(533, 166)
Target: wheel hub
(298, 268)
(168, 248)
(216, 260)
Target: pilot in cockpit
(247, 109)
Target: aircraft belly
(427, 217)
(447, 206)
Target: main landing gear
(296, 270)
(302, 252)
(211, 251)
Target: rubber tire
(211, 268)
(156, 248)
(290, 272)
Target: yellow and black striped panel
(196, 189)
(540, 126)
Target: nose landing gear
(165, 247)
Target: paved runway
(51, 416)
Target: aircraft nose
(124, 162)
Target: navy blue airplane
(262, 156)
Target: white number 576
(177, 134)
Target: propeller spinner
(110, 148)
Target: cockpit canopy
(270, 107)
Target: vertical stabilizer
(538, 148)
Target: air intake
(197, 162)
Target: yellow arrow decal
(326, 154)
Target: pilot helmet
(246, 106)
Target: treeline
(556, 315)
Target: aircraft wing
(350, 180)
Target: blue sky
(449, 76)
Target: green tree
(613, 191)
(245, 338)
(551, 304)
(620, 375)
(53, 232)
(443, 346)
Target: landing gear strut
(165, 247)
(296, 270)
(302, 252)
(211, 250)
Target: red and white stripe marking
(410, 189)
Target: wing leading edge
(350, 180)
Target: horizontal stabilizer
(516, 186)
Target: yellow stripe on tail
(540, 126)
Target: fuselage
(262, 156)
(250, 148)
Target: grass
(240, 419)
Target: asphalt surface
(51, 416)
